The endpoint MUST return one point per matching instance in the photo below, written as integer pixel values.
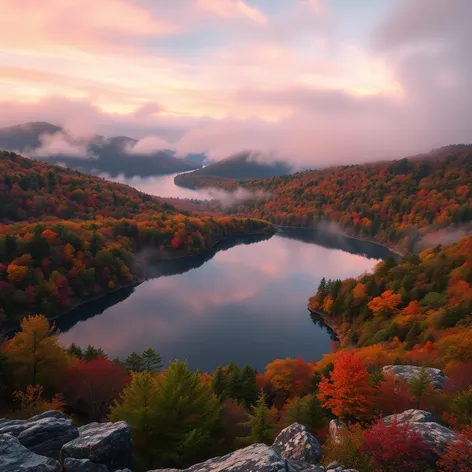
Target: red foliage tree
(393, 396)
(458, 455)
(91, 387)
(395, 447)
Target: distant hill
(241, 166)
(103, 155)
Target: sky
(314, 81)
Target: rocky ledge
(43, 444)
(409, 372)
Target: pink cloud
(232, 9)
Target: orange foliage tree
(347, 391)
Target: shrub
(458, 456)
(394, 447)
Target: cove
(244, 302)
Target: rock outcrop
(44, 434)
(83, 465)
(436, 436)
(296, 443)
(102, 443)
(294, 450)
(14, 457)
(335, 428)
(408, 372)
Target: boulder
(83, 465)
(408, 372)
(296, 443)
(335, 427)
(14, 457)
(102, 443)
(43, 434)
(436, 436)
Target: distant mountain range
(95, 155)
(241, 166)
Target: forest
(392, 202)
(69, 237)
(179, 417)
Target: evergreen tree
(187, 417)
(93, 353)
(219, 383)
(74, 350)
(420, 386)
(260, 423)
(152, 361)
(248, 387)
(137, 407)
(134, 362)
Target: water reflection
(244, 303)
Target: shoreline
(393, 249)
(333, 326)
(138, 279)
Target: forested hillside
(49, 264)
(391, 202)
(417, 310)
(242, 166)
(98, 154)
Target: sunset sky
(316, 81)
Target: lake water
(244, 302)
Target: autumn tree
(91, 387)
(458, 455)
(395, 447)
(347, 392)
(31, 402)
(36, 353)
(386, 304)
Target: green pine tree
(260, 423)
(137, 407)
(134, 362)
(219, 383)
(152, 361)
(187, 417)
(420, 386)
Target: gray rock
(410, 416)
(296, 443)
(335, 427)
(333, 465)
(83, 465)
(436, 436)
(43, 434)
(408, 372)
(14, 457)
(254, 458)
(102, 443)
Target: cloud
(225, 81)
(148, 145)
(232, 9)
(60, 144)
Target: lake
(244, 302)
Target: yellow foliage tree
(36, 353)
(328, 304)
